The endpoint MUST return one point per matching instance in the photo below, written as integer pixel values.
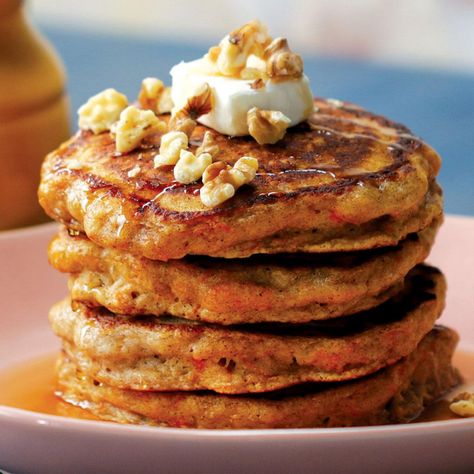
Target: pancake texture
(300, 301)
(150, 353)
(396, 394)
(279, 288)
(344, 180)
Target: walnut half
(463, 404)
(133, 126)
(101, 111)
(233, 51)
(171, 145)
(221, 180)
(267, 126)
(281, 61)
(200, 103)
(208, 145)
(190, 167)
(155, 96)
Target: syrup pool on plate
(31, 385)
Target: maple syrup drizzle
(31, 385)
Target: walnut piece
(208, 145)
(171, 145)
(133, 126)
(155, 96)
(281, 61)
(267, 126)
(200, 103)
(183, 124)
(244, 171)
(101, 111)
(165, 103)
(190, 167)
(250, 53)
(216, 192)
(463, 404)
(213, 171)
(233, 51)
(150, 91)
(222, 181)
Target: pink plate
(33, 442)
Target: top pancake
(344, 180)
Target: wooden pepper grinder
(34, 114)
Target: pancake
(282, 288)
(344, 180)
(151, 353)
(394, 395)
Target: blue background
(438, 106)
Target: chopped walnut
(199, 104)
(190, 167)
(155, 96)
(101, 111)
(208, 145)
(212, 171)
(171, 145)
(281, 61)
(133, 126)
(165, 103)
(183, 124)
(244, 171)
(151, 90)
(216, 192)
(250, 53)
(221, 181)
(267, 126)
(232, 53)
(463, 404)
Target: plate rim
(107, 427)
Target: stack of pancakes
(300, 302)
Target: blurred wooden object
(34, 114)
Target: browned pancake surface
(346, 179)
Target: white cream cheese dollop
(233, 97)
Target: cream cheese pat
(233, 97)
